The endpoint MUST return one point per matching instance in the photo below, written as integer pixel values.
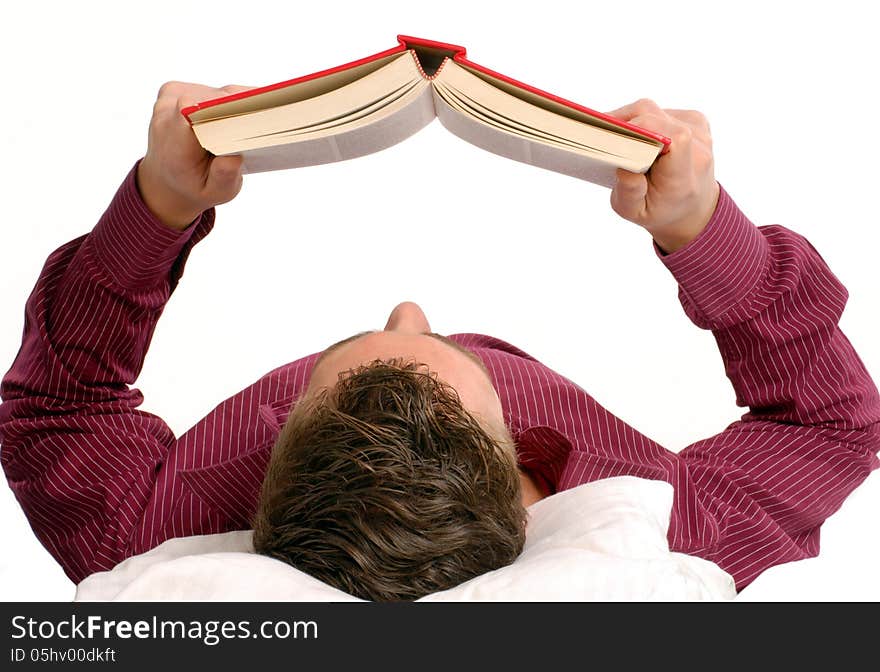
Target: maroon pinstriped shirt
(100, 480)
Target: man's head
(394, 476)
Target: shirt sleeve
(79, 457)
(812, 429)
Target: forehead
(456, 366)
(407, 343)
(383, 344)
(440, 354)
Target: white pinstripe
(100, 480)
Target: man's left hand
(676, 198)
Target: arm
(813, 428)
(77, 453)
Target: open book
(373, 103)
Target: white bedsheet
(604, 540)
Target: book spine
(442, 48)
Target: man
(401, 460)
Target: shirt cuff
(720, 268)
(134, 248)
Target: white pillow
(601, 541)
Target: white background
(302, 258)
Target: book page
(549, 104)
(351, 117)
(290, 94)
(471, 94)
(376, 90)
(594, 167)
(395, 123)
(466, 105)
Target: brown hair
(387, 488)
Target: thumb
(224, 179)
(628, 197)
(236, 88)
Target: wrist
(162, 202)
(672, 242)
(672, 238)
(721, 267)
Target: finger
(172, 131)
(191, 90)
(692, 117)
(638, 108)
(224, 178)
(628, 197)
(197, 93)
(183, 103)
(175, 127)
(677, 160)
(236, 88)
(697, 121)
(193, 94)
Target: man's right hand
(177, 178)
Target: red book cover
(428, 50)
